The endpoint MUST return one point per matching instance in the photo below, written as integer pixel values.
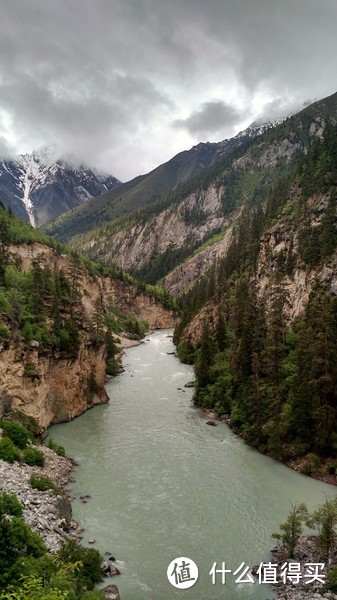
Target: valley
(234, 245)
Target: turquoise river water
(164, 484)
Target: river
(164, 484)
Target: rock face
(48, 386)
(172, 229)
(60, 389)
(183, 276)
(276, 245)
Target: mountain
(260, 315)
(37, 188)
(250, 247)
(180, 235)
(145, 189)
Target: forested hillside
(62, 320)
(261, 324)
(145, 190)
(152, 241)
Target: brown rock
(110, 592)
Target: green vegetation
(17, 540)
(10, 505)
(33, 457)
(17, 444)
(57, 448)
(43, 483)
(8, 451)
(19, 435)
(276, 381)
(27, 572)
(291, 530)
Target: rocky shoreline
(306, 552)
(48, 513)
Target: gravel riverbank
(47, 513)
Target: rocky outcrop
(51, 386)
(306, 552)
(144, 307)
(123, 295)
(180, 226)
(186, 274)
(281, 242)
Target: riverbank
(306, 552)
(299, 465)
(47, 513)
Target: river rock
(64, 507)
(91, 540)
(110, 592)
(105, 568)
(212, 423)
(190, 384)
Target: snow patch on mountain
(41, 185)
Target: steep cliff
(61, 325)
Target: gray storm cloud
(124, 84)
(210, 119)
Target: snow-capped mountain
(226, 147)
(37, 187)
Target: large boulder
(110, 592)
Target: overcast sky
(126, 84)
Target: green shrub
(90, 571)
(112, 367)
(15, 432)
(31, 371)
(8, 451)
(59, 450)
(19, 542)
(29, 423)
(331, 468)
(332, 579)
(3, 332)
(312, 465)
(10, 505)
(42, 483)
(33, 457)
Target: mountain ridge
(39, 186)
(145, 189)
(154, 239)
